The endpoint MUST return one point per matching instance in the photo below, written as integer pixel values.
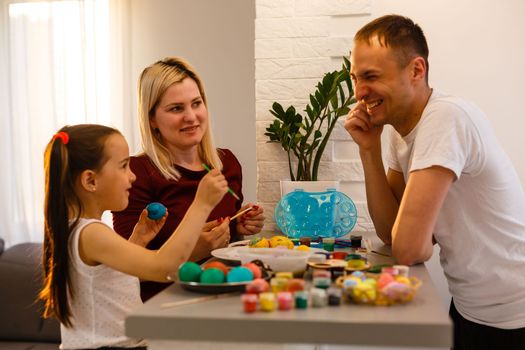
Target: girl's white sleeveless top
(102, 299)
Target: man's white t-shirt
(481, 226)
(102, 299)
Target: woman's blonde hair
(153, 83)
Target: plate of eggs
(216, 277)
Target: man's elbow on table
(407, 254)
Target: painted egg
(281, 241)
(303, 248)
(218, 265)
(190, 272)
(258, 286)
(256, 270)
(212, 275)
(239, 274)
(156, 210)
(259, 242)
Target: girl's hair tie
(63, 136)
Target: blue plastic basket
(315, 214)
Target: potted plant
(305, 138)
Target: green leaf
(301, 137)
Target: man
(448, 181)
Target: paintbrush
(240, 213)
(230, 191)
(197, 300)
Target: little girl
(90, 271)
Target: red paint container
(249, 302)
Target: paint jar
(339, 255)
(278, 284)
(305, 241)
(391, 270)
(319, 297)
(402, 270)
(321, 278)
(334, 296)
(356, 264)
(301, 299)
(328, 244)
(285, 300)
(267, 301)
(356, 241)
(285, 275)
(249, 302)
(353, 256)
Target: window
(65, 62)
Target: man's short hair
(400, 33)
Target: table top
(422, 322)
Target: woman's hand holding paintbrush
(230, 191)
(250, 219)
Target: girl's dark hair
(399, 33)
(65, 158)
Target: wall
(296, 43)
(219, 43)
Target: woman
(177, 145)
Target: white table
(423, 322)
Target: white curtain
(62, 62)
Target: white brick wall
(296, 42)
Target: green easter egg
(190, 272)
(212, 275)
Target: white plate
(232, 253)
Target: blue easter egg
(239, 274)
(156, 210)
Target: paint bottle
(334, 296)
(301, 299)
(278, 284)
(267, 301)
(356, 241)
(339, 255)
(285, 300)
(328, 244)
(321, 278)
(319, 297)
(305, 241)
(402, 270)
(249, 302)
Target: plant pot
(288, 186)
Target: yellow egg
(277, 241)
(403, 279)
(303, 248)
(259, 242)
